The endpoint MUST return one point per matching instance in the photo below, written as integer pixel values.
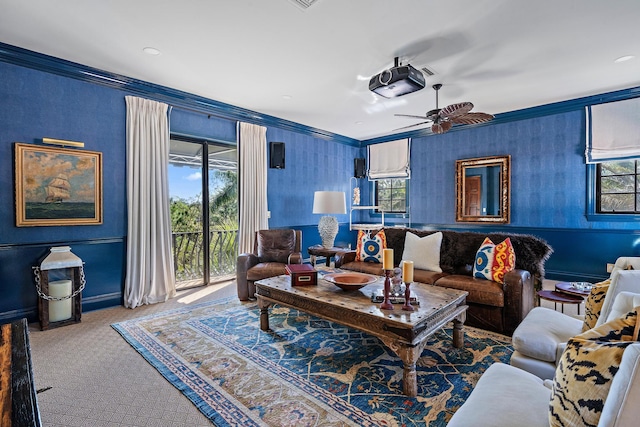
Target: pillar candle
(407, 271)
(60, 310)
(387, 259)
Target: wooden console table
(18, 403)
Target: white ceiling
(502, 55)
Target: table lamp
(328, 202)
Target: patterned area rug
(306, 371)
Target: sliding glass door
(204, 210)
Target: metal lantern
(59, 281)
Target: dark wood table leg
(264, 313)
(458, 333)
(409, 355)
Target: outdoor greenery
(391, 195)
(619, 187)
(186, 226)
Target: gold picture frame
(57, 186)
(483, 190)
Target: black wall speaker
(359, 167)
(276, 154)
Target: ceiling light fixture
(624, 59)
(151, 51)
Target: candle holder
(386, 304)
(407, 298)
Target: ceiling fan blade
(472, 118)
(441, 127)
(410, 126)
(455, 110)
(413, 117)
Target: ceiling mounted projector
(397, 81)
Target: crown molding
(41, 62)
(38, 61)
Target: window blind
(389, 160)
(613, 131)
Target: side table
(582, 289)
(319, 250)
(560, 297)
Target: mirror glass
(483, 187)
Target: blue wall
(312, 164)
(36, 104)
(549, 183)
(548, 190)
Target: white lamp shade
(329, 202)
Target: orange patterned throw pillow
(369, 249)
(494, 261)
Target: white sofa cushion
(505, 397)
(542, 331)
(623, 303)
(621, 281)
(626, 263)
(621, 407)
(539, 368)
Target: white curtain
(389, 160)
(150, 277)
(613, 131)
(252, 146)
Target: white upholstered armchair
(506, 396)
(541, 337)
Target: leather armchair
(540, 339)
(273, 250)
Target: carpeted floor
(91, 377)
(307, 371)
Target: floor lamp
(329, 202)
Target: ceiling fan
(444, 118)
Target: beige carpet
(97, 379)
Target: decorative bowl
(581, 286)
(350, 281)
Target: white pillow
(423, 251)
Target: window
(618, 187)
(204, 210)
(391, 195)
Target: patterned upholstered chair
(542, 335)
(273, 250)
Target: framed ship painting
(57, 186)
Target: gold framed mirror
(483, 189)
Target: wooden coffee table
(404, 332)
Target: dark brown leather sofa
(492, 306)
(273, 250)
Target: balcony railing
(188, 254)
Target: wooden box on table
(302, 274)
